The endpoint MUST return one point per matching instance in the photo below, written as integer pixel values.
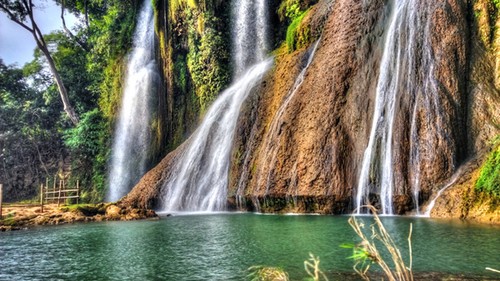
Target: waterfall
(199, 177)
(406, 73)
(250, 33)
(132, 133)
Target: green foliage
(33, 127)
(175, 6)
(30, 126)
(296, 36)
(359, 254)
(89, 142)
(289, 9)
(111, 37)
(207, 60)
(489, 178)
(111, 87)
(496, 3)
(86, 137)
(180, 73)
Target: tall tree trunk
(60, 85)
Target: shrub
(489, 177)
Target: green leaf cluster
(206, 65)
(292, 13)
(489, 177)
(297, 36)
(200, 56)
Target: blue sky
(17, 44)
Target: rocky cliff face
(194, 56)
(303, 150)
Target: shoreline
(20, 217)
(25, 217)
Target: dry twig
(367, 250)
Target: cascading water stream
(270, 146)
(453, 179)
(132, 135)
(406, 51)
(250, 34)
(199, 176)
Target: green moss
(177, 6)
(489, 178)
(289, 9)
(86, 209)
(208, 61)
(9, 221)
(180, 73)
(297, 34)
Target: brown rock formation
(462, 200)
(305, 154)
(325, 128)
(147, 192)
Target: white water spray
(132, 135)
(250, 33)
(199, 177)
(407, 54)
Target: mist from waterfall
(132, 133)
(406, 73)
(199, 176)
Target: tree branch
(13, 18)
(68, 32)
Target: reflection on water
(223, 246)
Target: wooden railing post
(59, 197)
(41, 198)
(77, 191)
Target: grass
(489, 178)
(366, 252)
(86, 209)
(264, 273)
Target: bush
(88, 143)
(489, 178)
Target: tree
(21, 12)
(68, 32)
